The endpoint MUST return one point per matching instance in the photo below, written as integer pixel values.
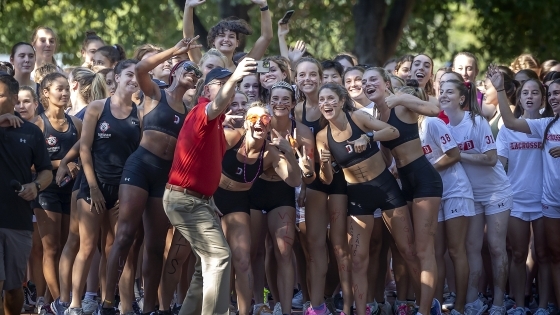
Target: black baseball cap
(217, 73)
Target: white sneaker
(475, 308)
(449, 302)
(541, 311)
(501, 310)
(454, 312)
(297, 301)
(277, 309)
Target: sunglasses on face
(189, 67)
(264, 119)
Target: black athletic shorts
(382, 192)
(338, 185)
(420, 179)
(146, 170)
(267, 196)
(110, 192)
(229, 201)
(58, 202)
(78, 180)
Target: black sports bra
(165, 119)
(240, 171)
(313, 125)
(407, 131)
(344, 153)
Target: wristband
(265, 8)
(367, 137)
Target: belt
(187, 191)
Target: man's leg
(194, 218)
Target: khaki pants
(194, 218)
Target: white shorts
(377, 214)
(493, 207)
(551, 211)
(526, 216)
(455, 207)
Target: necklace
(63, 122)
(245, 163)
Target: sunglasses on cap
(264, 119)
(190, 67)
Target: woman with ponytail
(547, 129)
(491, 191)
(92, 42)
(421, 183)
(490, 108)
(85, 87)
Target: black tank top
(344, 153)
(407, 132)
(165, 119)
(58, 144)
(240, 171)
(313, 125)
(114, 141)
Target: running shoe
(501, 310)
(338, 302)
(277, 309)
(89, 306)
(323, 310)
(454, 312)
(449, 302)
(261, 309)
(533, 306)
(329, 302)
(56, 307)
(74, 311)
(136, 308)
(475, 308)
(541, 311)
(436, 307)
(40, 303)
(509, 303)
(106, 311)
(372, 308)
(399, 308)
(29, 297)
(306, 306)
(297, 300)
(385, 308)
(552, 309)
(175, 309)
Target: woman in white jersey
(457, 202)
(521, 154)
(491, 190)
(548, 130)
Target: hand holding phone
(286, 18)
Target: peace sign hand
(283, 144)
(186, 44)
(304, 161)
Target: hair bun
(412, 83)
(90, 33)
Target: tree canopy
(376, 30)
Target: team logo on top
(104, 126)
(427, 149)
(239, 171)
(349, 148)
(177, 120)
(52, 140)
(465, 146)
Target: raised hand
(260, 3)
(326, 157)
(186, 44)
(283, 29)
(496, 77)
(295, 53)
(230, 119)
(283, 144)
(246, 67)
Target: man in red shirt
(193, 179)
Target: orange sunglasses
(253, 118)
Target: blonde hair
(42, 71)
(142, 50)
(92, 85)
(212, 52)
(525, 61)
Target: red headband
(175, 67)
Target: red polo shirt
(197, 164)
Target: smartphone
(263, 66)
(287, 17)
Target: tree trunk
(376, 41)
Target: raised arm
(220, 104)
(497, 79)
(188, 27)
(283, 30)
(413, 104)
(259, 49)
(143, 68)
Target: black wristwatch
(308, 175)
(37, 185)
